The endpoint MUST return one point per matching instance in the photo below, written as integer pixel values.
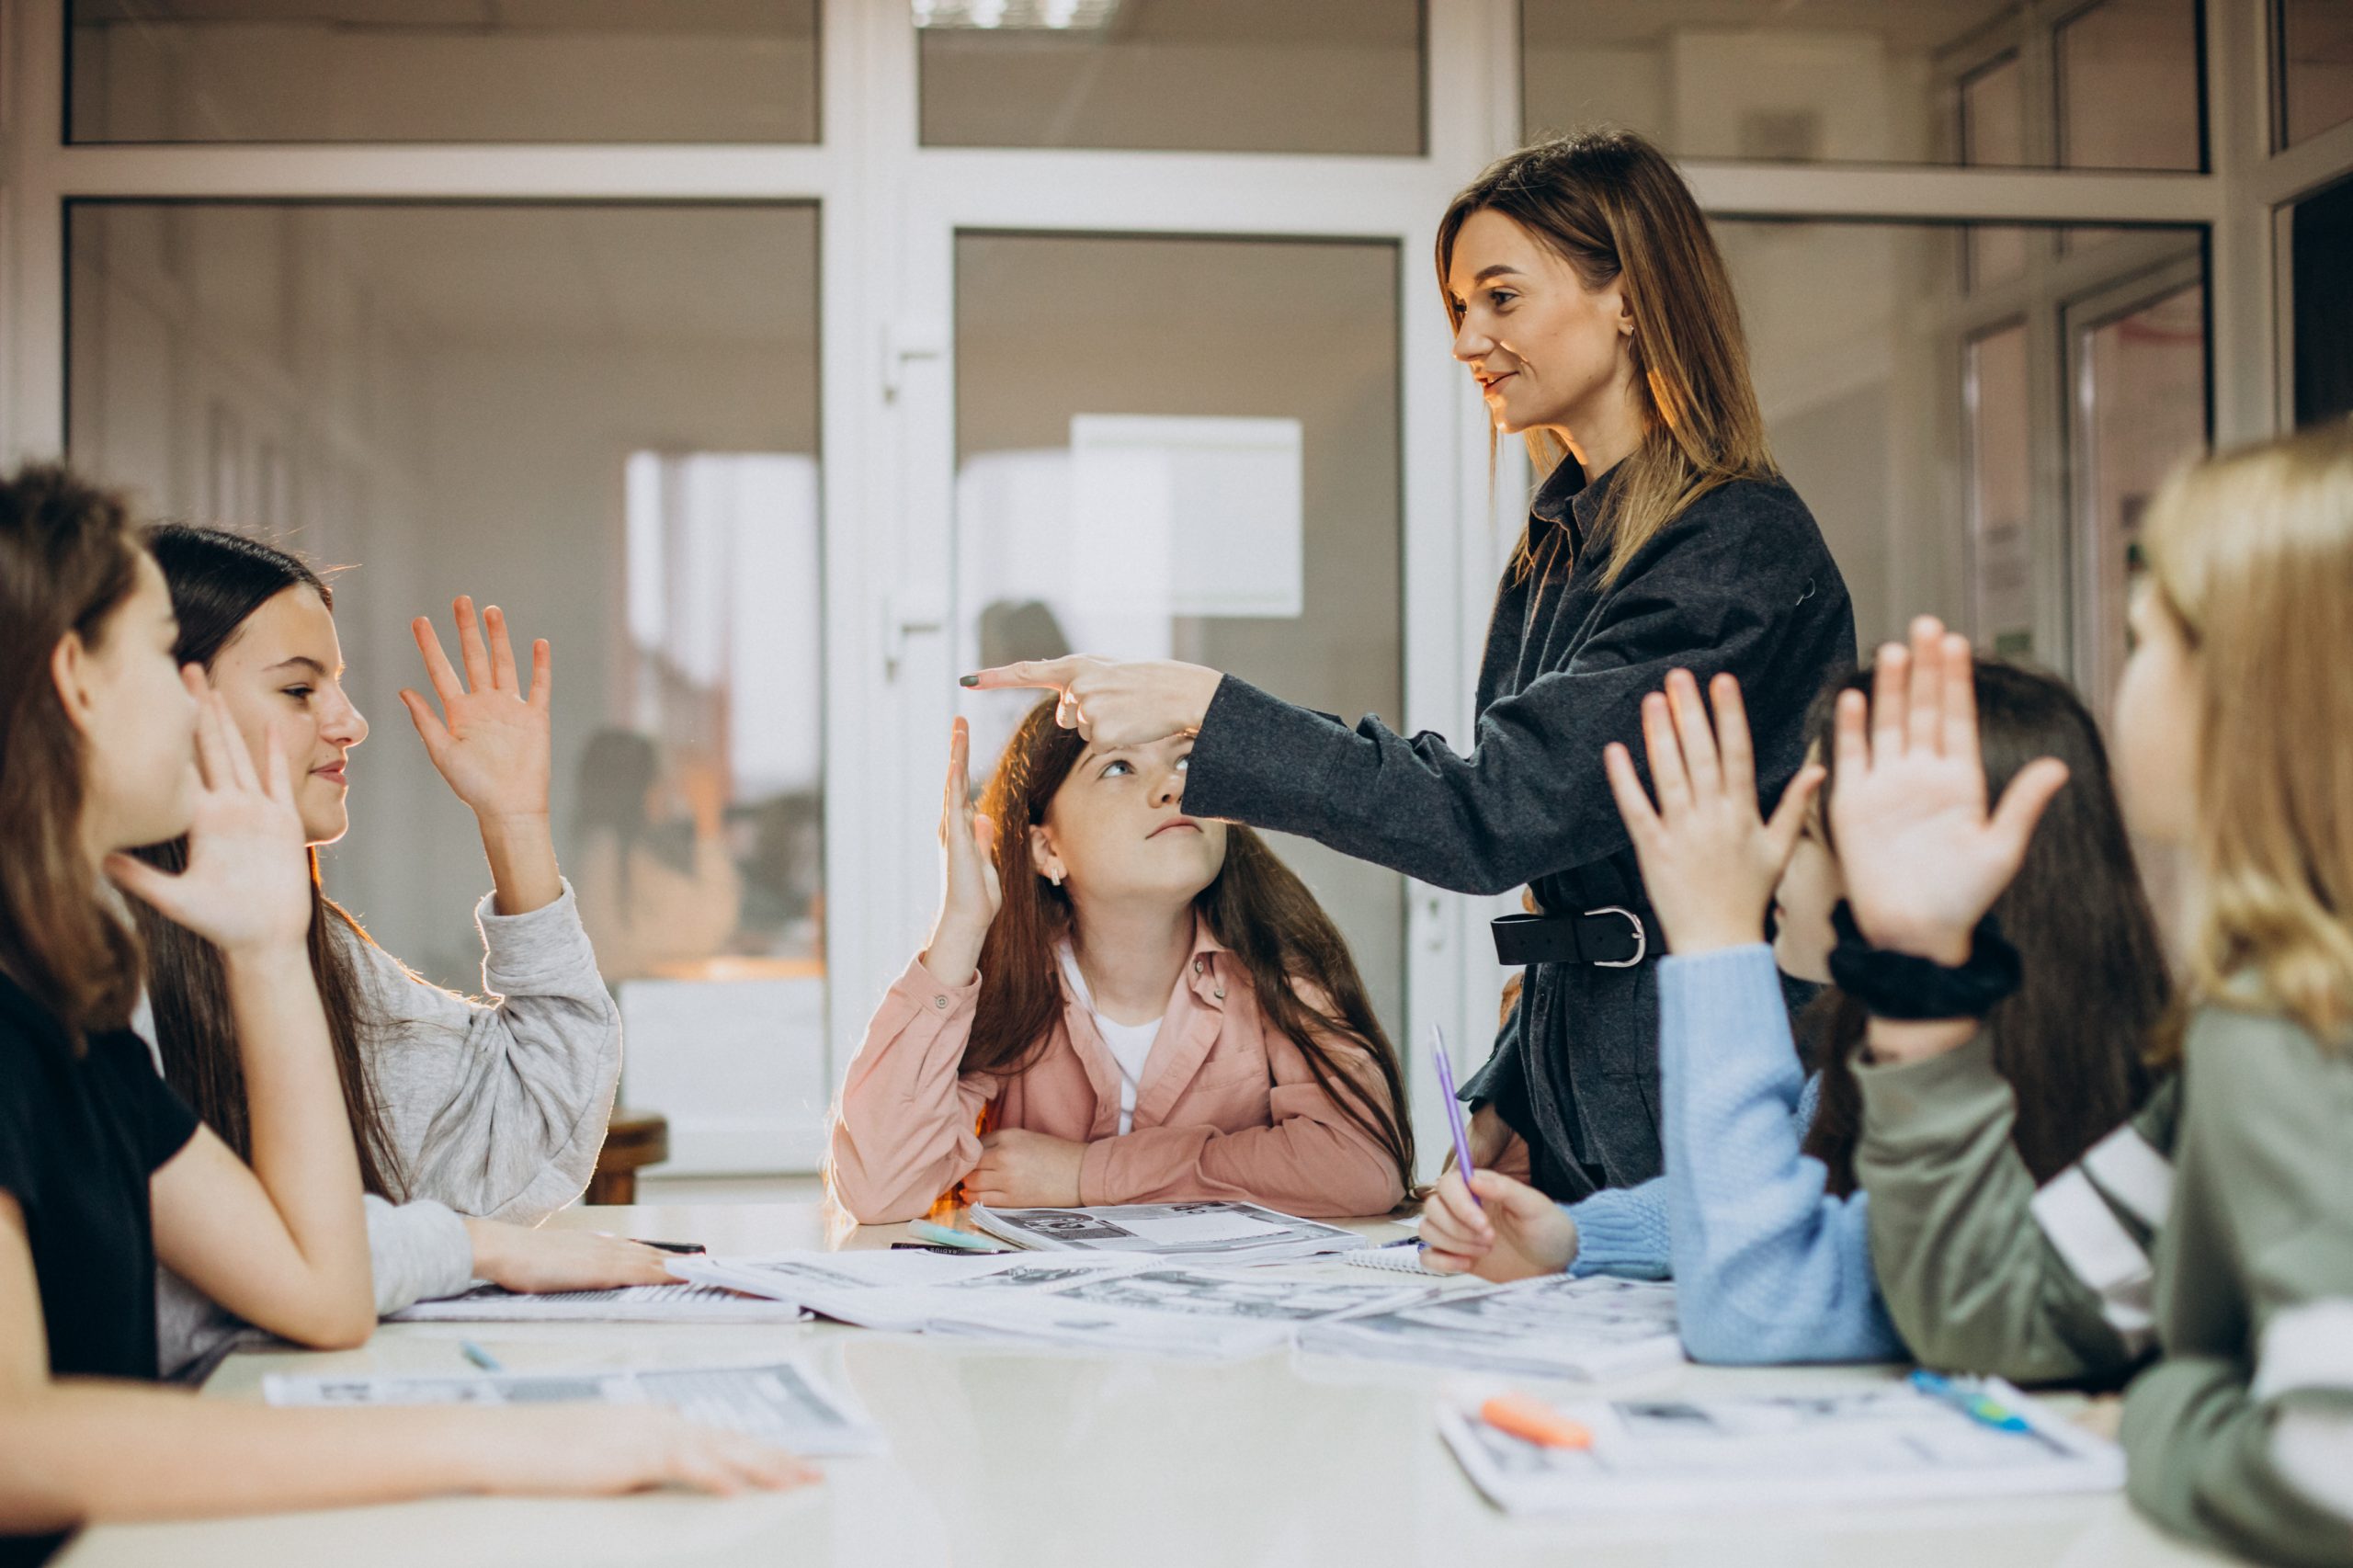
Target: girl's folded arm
(904, 1128)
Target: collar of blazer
(1189, 1031)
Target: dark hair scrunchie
(1908, 987)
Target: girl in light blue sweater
(1757, 1218)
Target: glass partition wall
(782, 359)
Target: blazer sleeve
(1721, 588)
(905, 1126)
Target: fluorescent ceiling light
(1015, 15)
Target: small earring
(1055, 877)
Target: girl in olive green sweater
(2206, 1249)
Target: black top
(80, 1134)
(1741, 581)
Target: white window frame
(889, 210)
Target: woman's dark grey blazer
(1741, 581)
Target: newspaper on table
(682, 1302)
(1889, 1444)
(1165, 1309)
(870, 1290)
(779, 1401)
(1208, 1228)
(1594, 1329)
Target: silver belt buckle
(1642, 937)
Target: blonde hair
(1612, 206)
(2252, 554)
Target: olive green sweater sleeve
(1981, 1272)
(2242, 1436)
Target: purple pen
(1453, 1107)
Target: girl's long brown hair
(1612, 206)
(2252, 555)
(1257, 907)
(68, 558)
(2072, 1040)
(218, 580)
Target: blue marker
(1971, 1401)
(1453, 1109)
(480, 1358)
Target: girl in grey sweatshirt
(474, 1119)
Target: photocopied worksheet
(1591, 1329)
(1206, 1227)
(870, 1290)
(682, 1302)
(780, 1402)
(1887, 1444)
(1182, 1311)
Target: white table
(1006, 1457)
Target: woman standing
(1590, 303)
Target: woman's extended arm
(1720, 589)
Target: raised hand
(247, 888)
(1111, 702)
(971, 890)
(492, 739)
(1922, 856)
(1512, 1233)
(1709, 862)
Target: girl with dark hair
(473, 1122)
(1758, 1217)
(1121, 1003)
(105, 1172)
(1589, 301)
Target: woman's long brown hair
(2073, 1039)
(218, 580)
(68, 558)
(1257, 907)
(1612, 206)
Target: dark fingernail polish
(968, 680)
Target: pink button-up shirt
(1227, 1106)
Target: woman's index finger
(1039, 673)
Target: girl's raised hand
(1922, 856)
(493, 746)
(1709, 862)
(247, 888)
(1113, 702)
(971, 891)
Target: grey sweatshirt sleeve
(498, 1109)
(419, 1251)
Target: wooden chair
(633, 1139)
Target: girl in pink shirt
(1120, 1004)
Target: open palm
(246, 885)
(1922, 856)
(492, 740)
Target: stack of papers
(1893, 1444)
(629, 1303)
(876, 1289)
(780, 1402)
(1122, 1302)
(1172, 1310)
(1209, 1228)
(1557, 1327)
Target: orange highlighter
(1532, 1421)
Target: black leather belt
(1608, 938)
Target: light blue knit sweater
(1767, 1266)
